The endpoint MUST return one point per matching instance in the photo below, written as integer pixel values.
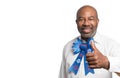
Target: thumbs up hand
(96, 59)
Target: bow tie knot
(83, 46)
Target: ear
(98, 20)
(76, 21)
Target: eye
(91, 18)
(80, 19)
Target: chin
(86, 35)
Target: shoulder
(68, 46)
(104, 39)
(69, 43)
(109, 42)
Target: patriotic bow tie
(81, 47)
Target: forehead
(86, 11)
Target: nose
(86, 22)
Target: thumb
(93, 45)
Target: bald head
(87, 8)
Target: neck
(83, 38)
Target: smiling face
(87, 21)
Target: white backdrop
(34, 32)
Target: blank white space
(34, 32)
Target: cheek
(79, 24)
(95, 24)
(95, 28)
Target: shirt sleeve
(62, 73)
(114, 64)
(114, 57)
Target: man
(97, 61)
